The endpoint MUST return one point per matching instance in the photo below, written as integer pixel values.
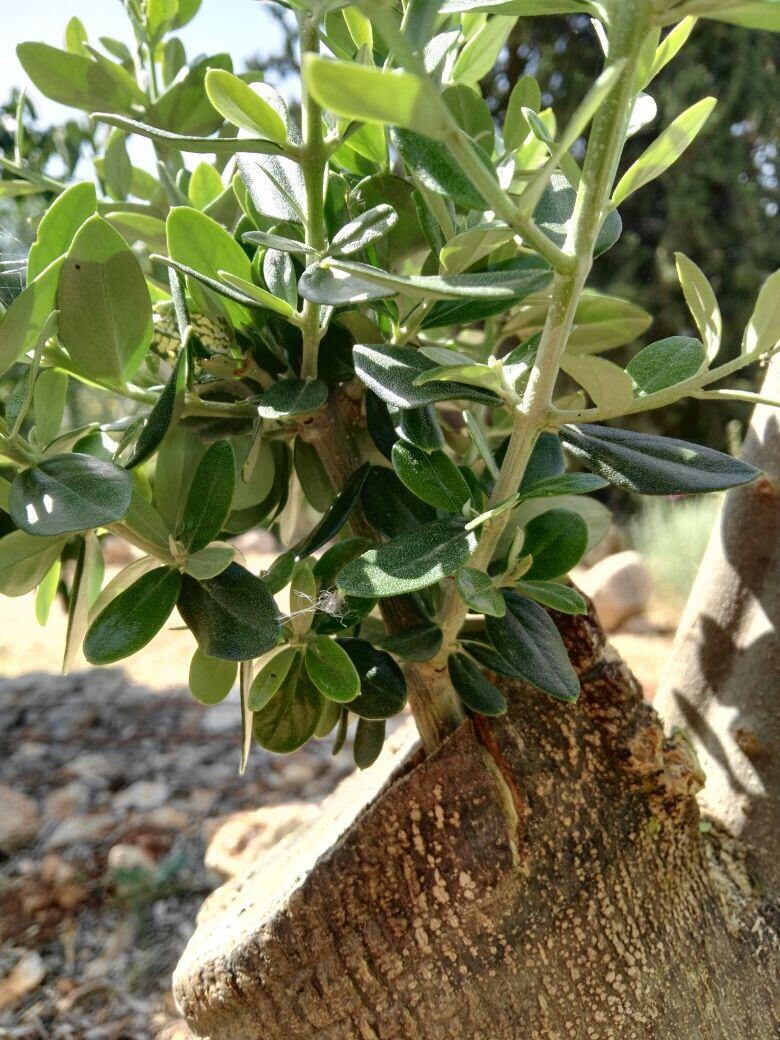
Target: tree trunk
(541, 877)
(723, 681)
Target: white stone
(619, 586)
(143, 794)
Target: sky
(241, 27)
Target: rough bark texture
(723, 681)
(540, 877)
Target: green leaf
(557, 541)
(606, 383)
(241, 105)
(391, 373)
(531, 644)
(601, 322)
(47, 593)
(473, 688)
(389, 506)
(105, 310)
(59, 225)
(702, 303)
(209, 498)
(276, 186)
(273, 670)
(49, 396)
(133, 618)
(763, 328)
(159, 13)
(232, 616)
(525, 8)
(205, 185)
(78, 81)
(184, 107)
(482, 50)
(331, 670)
(165, 413)
(336, 282)
(273, 241)
(291, 716)
(433, 477)
(201, 243)
(758, 14)
(554, 213)
(652, 465)
(420, 643)
(117, 168)
(311, 473)
(176, 460)
(477, 591)
(291, 397)
(25, 560)
(382, 683)
(375, 95)
(303, 598)
(253, 295)
(280, 277)
(432, 164)
(188, 142)
(369, 741)
(666, 363)
(69, 493)
(370, 226)
(550, 594)
(24, 320)
(414, 560)
(565, 484)
(337, 514)
(665, 150)
(211, 561)
(87, 580)
(532, 275)
(418, 426)
(525, 94)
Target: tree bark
(542, 876)
(723, 681)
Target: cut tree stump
(543, 876)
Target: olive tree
(381, 317)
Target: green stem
(313, 163)
(627, 31)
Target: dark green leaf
(531, 644)
(105, 310)
(339, 555)
(414, 560)
(369, 740)
(382, 683)
(209, 498)
(666, 363)
(164, 414)
(477, 591)
(291, 397)
(391, 373)
(554, 211)
(331, 670)
(556, 540)
(652, 465)
(562, 598)
(279, 573)
(420, 643)
(232, 616)
(292, 714)
(210, 679)
(565, 484)
(131, 620)
(311, 473)
(337, 515)
(433, 477)
(375, 223)
(418, 426)
(69, 493)
(390, 507)
(473, 688)
(546, 461)
(531, 276)
(431, 162)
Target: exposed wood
(541, 879)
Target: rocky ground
(113, 785)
